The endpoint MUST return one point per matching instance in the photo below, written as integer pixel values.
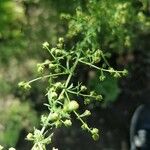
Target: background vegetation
(121, 29)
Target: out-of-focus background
(26, 24)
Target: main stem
(62, 92)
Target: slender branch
(98, 68)
(46, 76)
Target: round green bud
(84, 126)
(95, 137)
(30, 136)
(117, 75)
(58, 124)
(40, 69)
(52, 66)
(67, 123)
(73, 105)
(94, 131)
(83, 88)
(53, 95)
(58, 85)
(54, 116)
(98, 97)
(61, 40)
(125, 72)
(57, 70)
(59, 45)
(87, 101)
(102, 78)
(27, 86)
(45, 44)
(86, 113)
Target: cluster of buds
(24, 85)
(95, 134)
(96, 57)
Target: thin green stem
(46, 76)
(76, 93)
(78, 117)
(66, 85)
(98, 68)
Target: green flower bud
(53, 95)
(61, 97)
(27, 86)
(58, 124)
(86, 113)
(95, 137)
(94, 131)
(92, 93)
(96, 59)
(52, 66)
(87, 101)
(61, 40)
(117, 75)
(30, 136)
(57, 70)
(125, 72)
(84, 126)
(40, 68)
(59, 85)
(95, 134)
(59, 45)
(102, 78)
(83, 88)
(45, 45)
(54, 116)
(73, 105)
(21, 84)
(67, 123)
(99, 97)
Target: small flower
(95, 134)
(24, 85)
(87, 101)
(95, 137)
(52, 66)
(67, 123)
(83, 88)
(84, 126)
(86, 113)
(117, 75)
(61, 40)
(40, 68)
(54, 116)
(94, 131)
(102, 78)
(99, 97)
(30, 136)
(45, 45)
(125, 72)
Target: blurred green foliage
(26, 24)
(108, 88)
